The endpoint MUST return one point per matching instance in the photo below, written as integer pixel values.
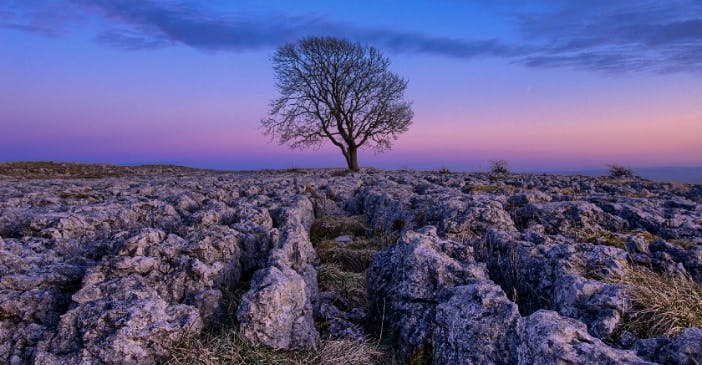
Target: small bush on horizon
(499, 167)
(293, 169)
(619, 171)
(444, 171)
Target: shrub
(499, 167)
(619, 171)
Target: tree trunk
(352, 159)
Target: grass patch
(349, 285)
(603, 238)
(567, 192)
(354, 257)
(488, 189)
(342, 271)
(648, 236)
(347, 352)
(225, 347)
(662, 305)
(228, 347)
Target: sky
(546, 85)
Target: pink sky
(69, 98)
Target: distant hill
(689, 175)
(69, 170)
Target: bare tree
(339, 91)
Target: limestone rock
(684, 349)
(276, 311)
(476, 316)
(548, 338)
(406, 280)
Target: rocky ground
(327, 267)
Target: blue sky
(545, 84)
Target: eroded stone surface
(113, 270)
(477, 316)
(545, 337)
(406, 281)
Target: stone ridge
(114, 270)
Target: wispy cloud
(599, 35)
(625, 35)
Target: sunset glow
(74, 87)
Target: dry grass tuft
(349, 285)
(335, 352)
(684, 243)
(662, 305)
(354, 257)
(343, 272)
(230, 348)
(648, 236)
(226, 347)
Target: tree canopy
(338, 91)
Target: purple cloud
(604, 36)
